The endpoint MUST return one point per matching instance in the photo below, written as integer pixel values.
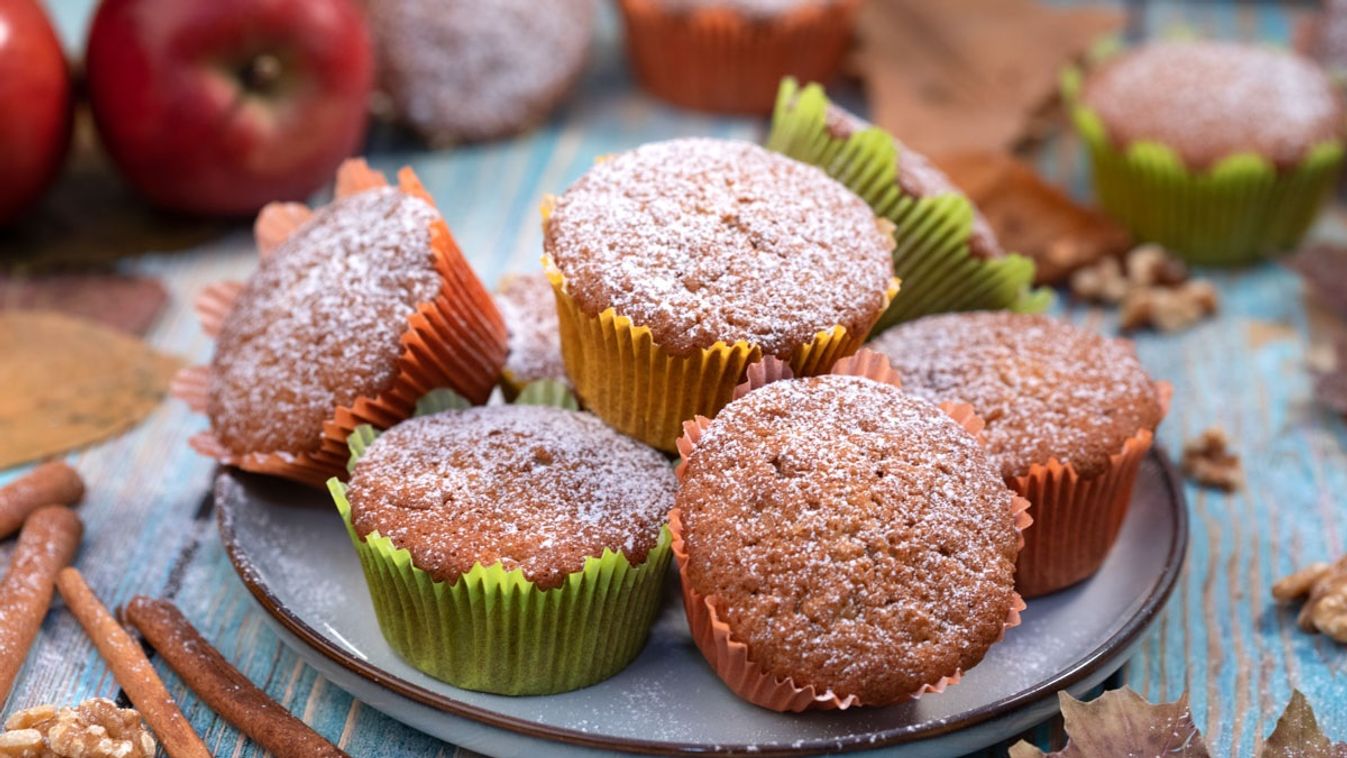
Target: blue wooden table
(150, 529)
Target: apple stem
(261, 73)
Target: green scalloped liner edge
(492, 630)
(548, 392)
(1236, 212)
(931, 254)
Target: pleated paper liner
(492, 630)
(1236, 212)
(456, 340)
(731, 658)
(1077, 519)
(645, 392)
(719, 59)
(932, 254)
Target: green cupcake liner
(492, 630)
(931, 255)
(548, 392)
(1239, 211)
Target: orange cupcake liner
(730, 658)
(456, 340)
(1076, 518)
(718, 59)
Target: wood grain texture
(149, 531)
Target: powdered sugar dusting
(529, 310)
(531, 487)
(1045, 388)
(465, 69)
(855, 537)
(1207, 100)
(319, 322)
(705, 240)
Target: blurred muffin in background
(530, 313)
(1220, 151)
(727, 56)
(464, 70)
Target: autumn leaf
(1330, 386)
(972, 74)
(1297, 734)
(70, 382)
(129, 303)
(1121, 722)
(1323, 267)
(1032, 217)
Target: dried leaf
(1322, 36)
(1330, 386)
(1323, 266)
(70, 382)
(1032, 217)
(1297, 734)
(129, 303)
(1121, 722)
(969, 75)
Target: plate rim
(1151, 607)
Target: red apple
(217, 107)
(36, 103)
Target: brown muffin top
(530, 487)
(1046, 389)
(529, 309)
(1209, 100)
(854, 537)
(705, 240)
(319, 322)
(467, 70)
(919, 177)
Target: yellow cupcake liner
(1236, 212)
(492, 630)
(646, 392)
(931, 255)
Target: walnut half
(96, 728)
(1324, 589)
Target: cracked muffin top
(1046, 389)
(320, 322)
(530, 487)
(707, 241)
(854, 537)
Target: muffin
(355, 311)
(1222, 152)
(842, 543)
(1070, 415)
(946, 253)
(727, 56)
(515, 549)
(460, 70)
(526, 305)
(679, 263)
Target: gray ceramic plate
(291, 550)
